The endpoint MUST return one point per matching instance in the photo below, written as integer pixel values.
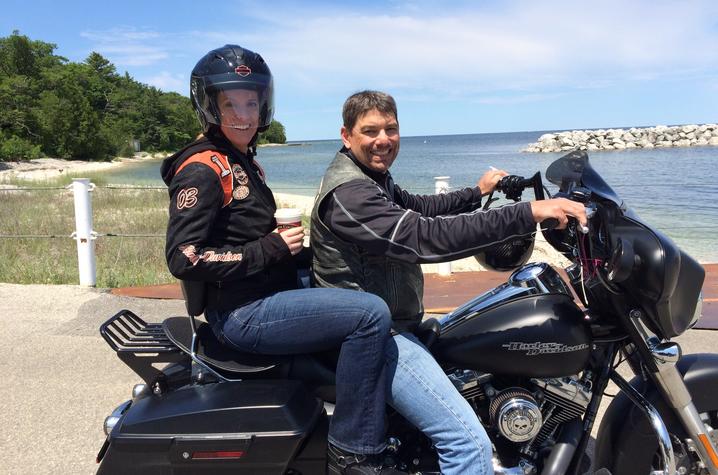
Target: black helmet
(230, 67)
(509, 255)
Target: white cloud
(126, 46)
(167, 81)
(517, 99)
(477, 50)
(455, 48)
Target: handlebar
(513, 186)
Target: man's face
(374, 140)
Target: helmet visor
(238, 109)
(236, 98)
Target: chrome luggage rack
(140, 345)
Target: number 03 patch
(187, 198)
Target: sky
(453, 67)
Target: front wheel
(626, 443)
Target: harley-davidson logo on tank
(539, 348)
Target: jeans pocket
(240, 333)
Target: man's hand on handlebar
(487, 183)
(559, 209)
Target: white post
(83, 234)
(441, 186)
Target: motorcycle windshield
(573, 170)
(665, 282)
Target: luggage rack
(140, 345)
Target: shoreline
(44, 169)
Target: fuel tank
(529, 326)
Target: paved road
(61, 379)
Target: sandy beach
(43, 169)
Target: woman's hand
(293, 238)
(559, 209)
(488, 182)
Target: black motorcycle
(532, 359)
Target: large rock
(620, 139)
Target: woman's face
(239, 114)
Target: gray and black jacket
(368, 234)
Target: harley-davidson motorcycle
(533, 357)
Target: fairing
(663, 280)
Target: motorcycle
(533, 357)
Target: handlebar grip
(513, 185)
(549, 223)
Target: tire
(626, 443)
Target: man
(370, 235)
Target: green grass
(121, 261)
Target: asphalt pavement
(61, 378)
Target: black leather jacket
(221, 218)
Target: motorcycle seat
(213, 353)
(317, 370)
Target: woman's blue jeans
(314, 320)
(420, 391)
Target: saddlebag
(244, 427)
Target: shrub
(15, 148)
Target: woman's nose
(241, 112)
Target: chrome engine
(516, 414)
(526, 416)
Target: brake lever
(489, 200)
(590, 212)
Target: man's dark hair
(362, 102)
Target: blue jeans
(422, 393)
(314, 320)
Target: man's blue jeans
(314, 320)
(422, 393)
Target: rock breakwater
(621, 139)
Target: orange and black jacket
(221, 218)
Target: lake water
(674, 189)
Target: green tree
(69, 116)
(21, 56)
(81, 110)
(274, 134)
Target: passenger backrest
(194, 293)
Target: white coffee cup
(288, 218)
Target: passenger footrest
(140, 344)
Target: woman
(222, 231)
